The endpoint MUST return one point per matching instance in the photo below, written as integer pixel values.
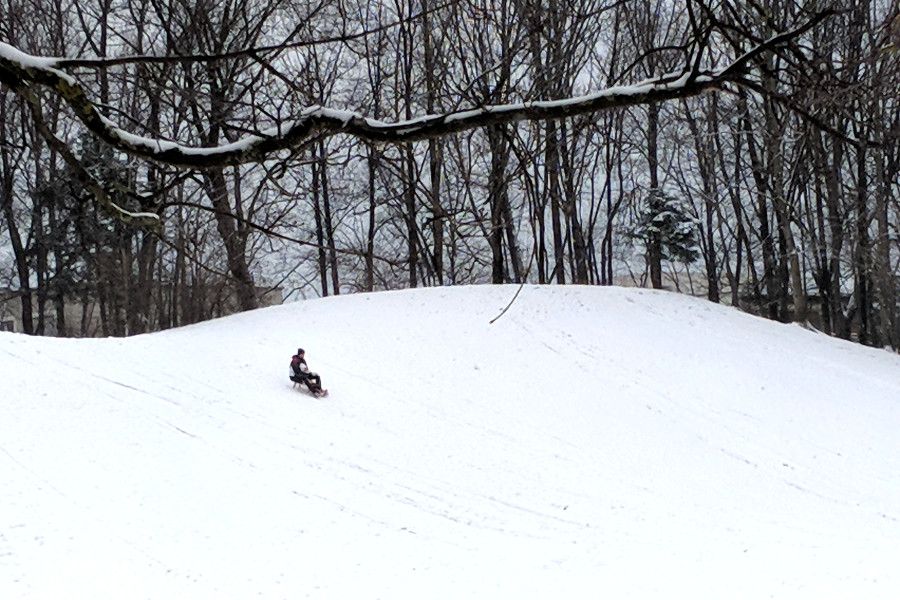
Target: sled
(305, 388)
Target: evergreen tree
(664, 217)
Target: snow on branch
(22, 71)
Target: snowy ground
(592, 443)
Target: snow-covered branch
(22, 71)
(82, 175)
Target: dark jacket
(296, 371)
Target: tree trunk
(514, 255)
(654, 243)
(19, 253)
(435, 153)
(572, 206)
(370, 230)
(863, 250)
(552, 188)
(235, 250)
(703, 147)
(783, 211)
(412, 231)
(329, 222)
(773, 292)
(320, 230)
(496, 198)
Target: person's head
(300, 352)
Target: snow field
(593, 442)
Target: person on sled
(300, 373)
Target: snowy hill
(592, 443)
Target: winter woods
(159, 156)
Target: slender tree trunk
(822, 275)
(405, 61)
(435, 151)
(180, 293)
(329, 222)
(370, 229)
(496, 196)
(538, 17)
(863, 250)
(705, 156)
(412, 231)
(512, 244)
(19, 253)
(140, 313)
(552, 188)
(784, 214)
(654, 244)
(773, 292)
(743, 241)
(885, 281)
(39, 236)
(59, 299)
(57, 234)
(320, 230)
(572, 207)
(539, 219)
(831, 233)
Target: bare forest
(158, 155)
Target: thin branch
(518, 291)
(789, 104)
(96, 189)
(272, 233)
(98, 63)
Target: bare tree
(426, 142)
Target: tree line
(154, 153)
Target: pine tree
(665, 218)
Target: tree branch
(97, 63)
(94, 187)
(20, 71)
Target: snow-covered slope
(592, 443)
